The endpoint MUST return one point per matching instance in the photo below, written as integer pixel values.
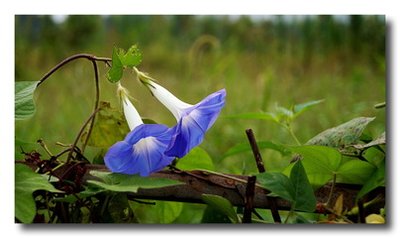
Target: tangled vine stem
(91, 119)
(96, 104)
(72, 58)
(81, 132)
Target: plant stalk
(80, 134)
(331, 191)
(96, 104)
(289, 128)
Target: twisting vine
(92, 117)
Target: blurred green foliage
(261, 61)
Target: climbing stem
(290, 130)
(331, 190)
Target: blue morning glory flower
(193, 120)
(194, 123)
(142, 150)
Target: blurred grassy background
(260, 60)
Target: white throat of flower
(145, 144)
(174, 105)
(132, 116)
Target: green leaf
(300, 108)
(192, 213)
(116, 71)
(24, 103)
(303, 197)
(161, 212)
(320, 162)
(296, 189)
(131, 58)
(221, 204)
(344, 134)
(355, 172)
(283, 114)
(277, 183)
(377, 179)
(128, 183)
(167, 212)
(244, 147)
(26, 182)
(121, 59)
(110, 127)
(197, 158)
(374, 155)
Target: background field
(260, 60)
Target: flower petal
(191, 128)
(118, 157)
(141, 152)
(149, 155)
(205, 113)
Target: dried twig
(261, 169)
(248, 202)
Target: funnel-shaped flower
(142, 150)
(193, 120)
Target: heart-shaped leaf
(110, 127)
(320, 162)
(355, 172)
(278, 183)
(303, 195)
(296, 189)
(24, 103)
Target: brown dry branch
(261, 169)
(197, 182)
